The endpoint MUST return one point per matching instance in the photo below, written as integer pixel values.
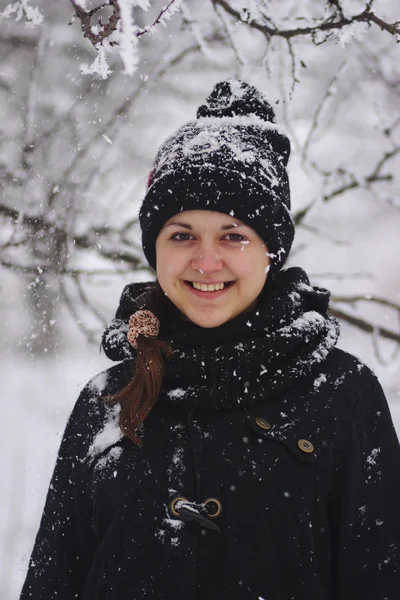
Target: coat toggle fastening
(187, 511)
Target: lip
(207, 295)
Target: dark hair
(139, 396)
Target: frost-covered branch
(122, 10)
(119, 30)
(165, 15)
(22, 10)
(97, 33)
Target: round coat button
(213, 507)
(172, 505)
(263, 423)
(305, 446)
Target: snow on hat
(231, 159)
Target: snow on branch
(22, 9)
(119, 30)
(97, 33)
(165, 15)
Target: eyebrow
(187, 226)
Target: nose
(206, 259)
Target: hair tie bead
(142, 322)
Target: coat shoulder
(345, 369)
(107, 382)
(352, 384)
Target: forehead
(200, 217)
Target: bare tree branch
(91, 335)
(103, 240)
(364, 325)
(367, 298)
(331, 24)
(157, 71)
(318, 112)
(225, 26)
(85, 301)
(324, 235)
(374, 177)
(341, 277)
(42, 268)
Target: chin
(208, 322)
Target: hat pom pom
(232, 98)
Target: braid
(139, 396)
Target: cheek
(169, 264)
(252, 264)
(253, 267)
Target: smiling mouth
(200, 287)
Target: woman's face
(198, 248)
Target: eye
(175, 237)
(237, 237)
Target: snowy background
(78, 133)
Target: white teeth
(208, 288)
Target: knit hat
(232, 159)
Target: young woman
(233, 452)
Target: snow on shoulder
(110, 434)
(99, 383)
(108, 431)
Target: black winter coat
(305, 482)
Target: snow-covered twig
(96, 34)
(122, 11)
(165, 15)
(21, 9)
(121, 27)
